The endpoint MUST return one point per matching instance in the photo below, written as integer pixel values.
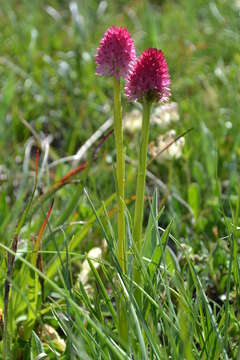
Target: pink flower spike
(116, 53)
(149, 77)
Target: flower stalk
(148, 81)
(141, 178)
(120, 172)
(114, 56)
(120, 175)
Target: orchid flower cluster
(146, 77)
(146, 81)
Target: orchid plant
(147, 81)
(114, 58)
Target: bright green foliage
(190, 255)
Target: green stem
(139, 206)
(120, 172)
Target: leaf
(151, 235)
(158, 253)
(185, 329)
(37, 348)
(194, 198)
(103, 290)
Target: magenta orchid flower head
(149, 77)
(115, 53)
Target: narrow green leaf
(103, 291)
(37, 351)
(194, 198)
(158, 253)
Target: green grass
(190, 265)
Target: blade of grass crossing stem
(119, 353)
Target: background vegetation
(47, 80)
